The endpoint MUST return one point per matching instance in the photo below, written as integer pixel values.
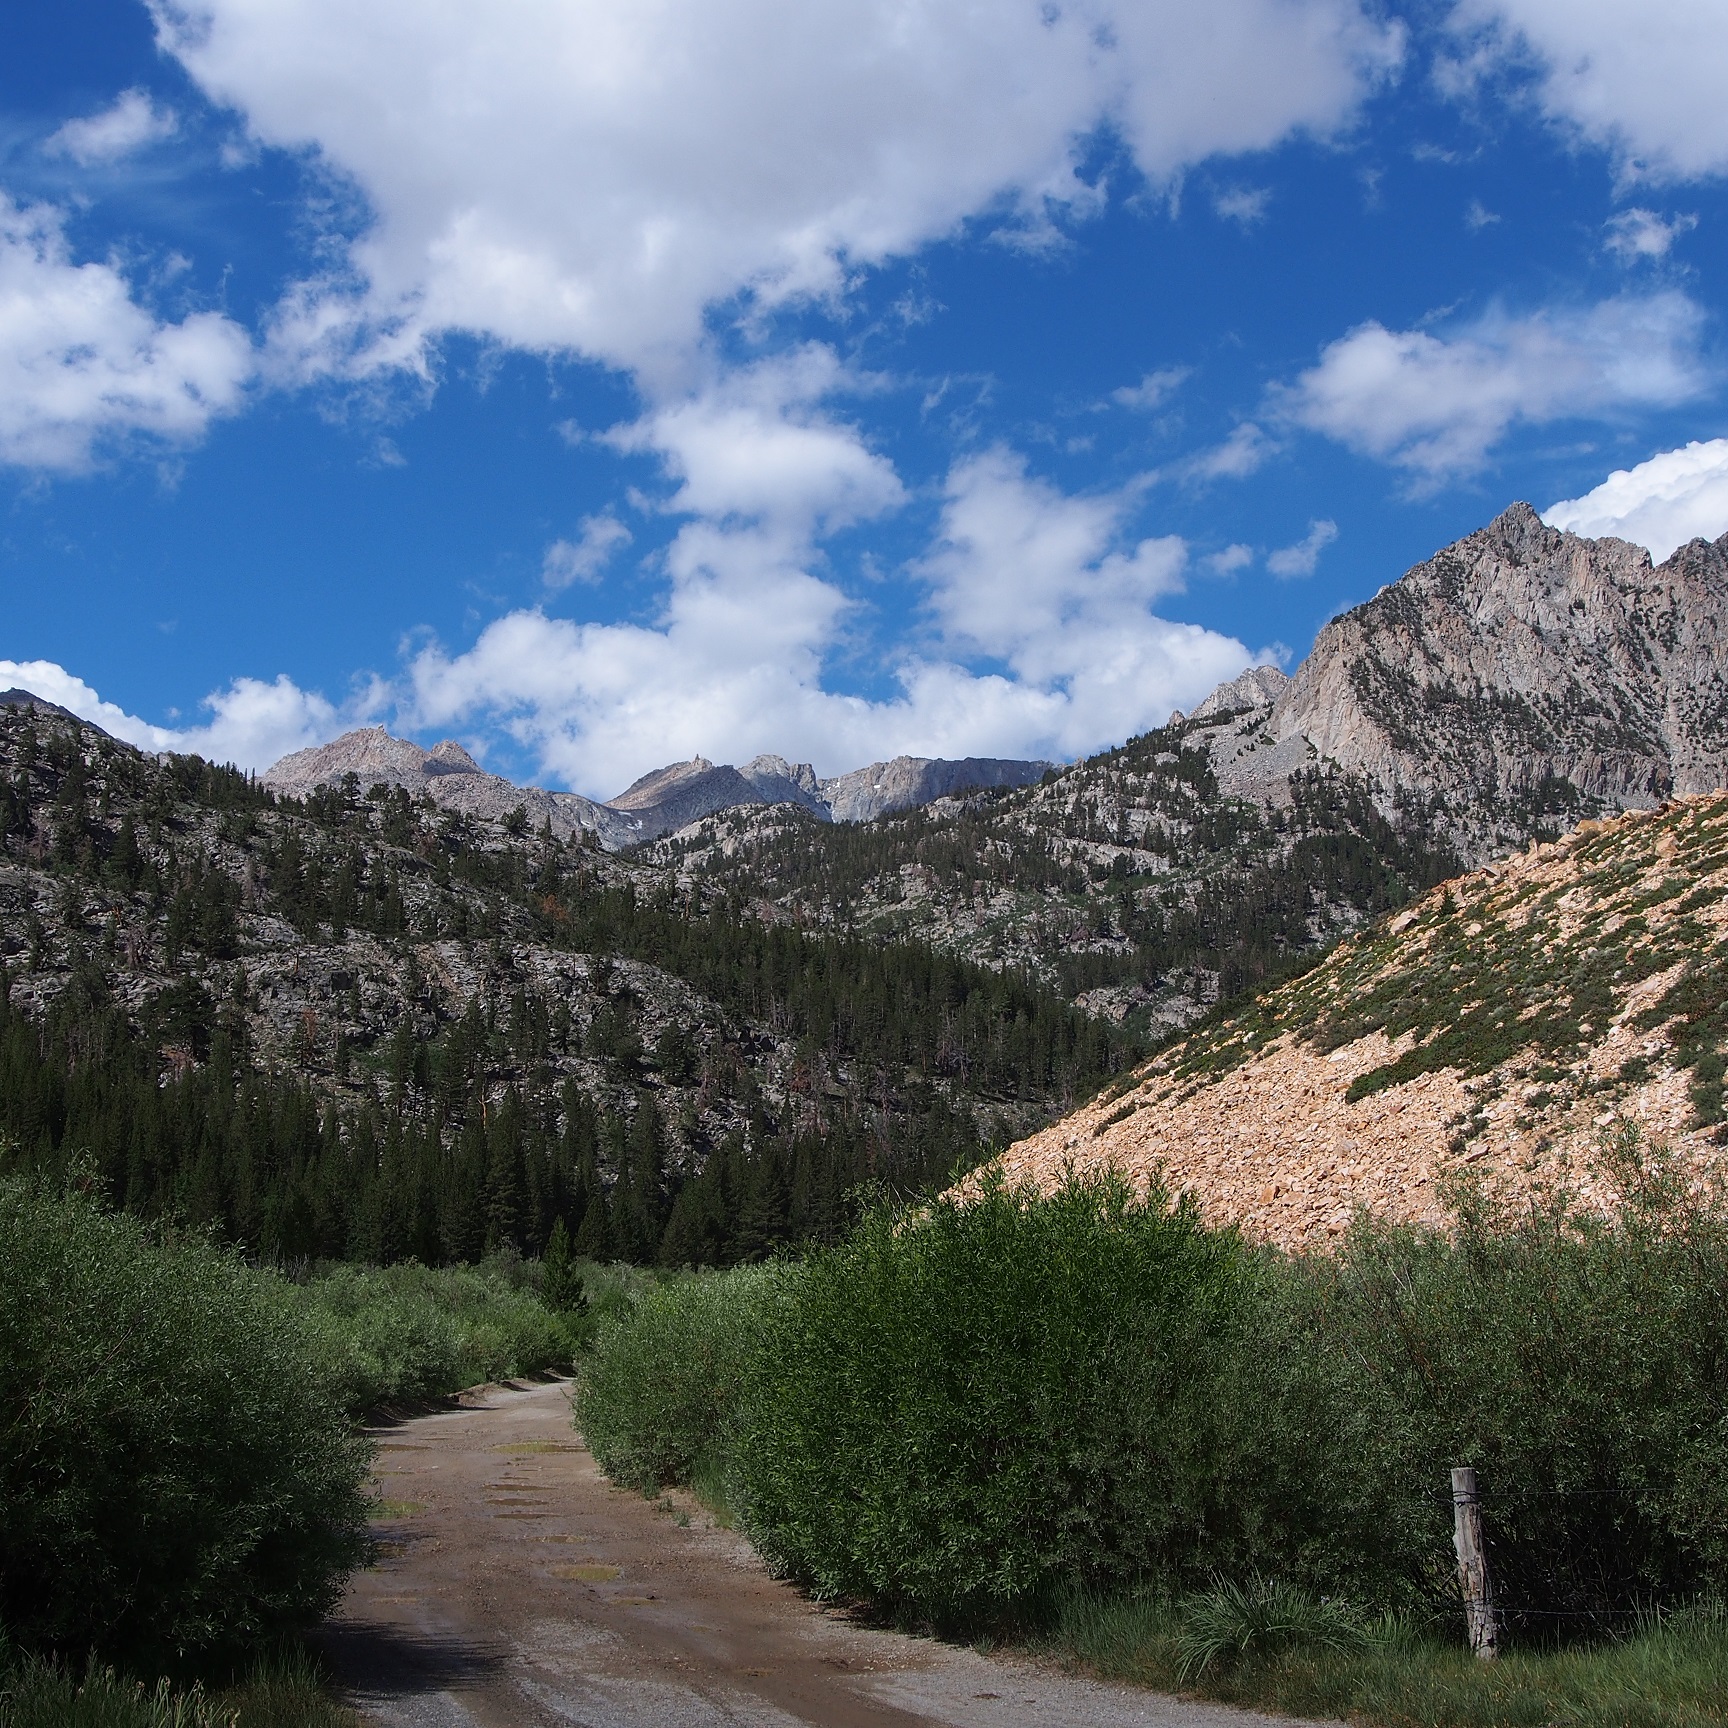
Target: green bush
(178, 1476)
(406, 1333)
(963, 1411)
(964, 1407)
(1579, 1364)
(659, 1391)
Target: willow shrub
(179, 1478)
(1580, 1364)
(406, 1333)
(964, 1405)
(960, 1410)
(659, 1390)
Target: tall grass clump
(659, 1393)
(964, 1406)
(179, 1477)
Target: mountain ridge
(658, 803)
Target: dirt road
(518, 1589)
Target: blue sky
(601, 384)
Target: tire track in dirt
(516, 1588)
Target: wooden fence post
(1473, 1565)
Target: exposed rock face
(1499, 1030)
(29, 699)
(1525, 673)
(911, 780)
(1258, 687)
(452, 779)
(660, 803)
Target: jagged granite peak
(905, 781)
(659, 803)
(1526, 677)
(16, 698)
(783, 782)
(1258, 687)
(452, 779)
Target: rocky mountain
(37, 704)
(1508, 687)
(659, 803)
(1505, 1029)
(1523, 677)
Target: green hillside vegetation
(1527, 967)
(325, 1111)
(1131, 868)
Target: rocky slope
(659, 803)
(1497, 1030)
(1525, 676)
(1508, 687)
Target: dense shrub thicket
(660, 1390)
(179, 1476)
(403, 1333)
(961, 1410)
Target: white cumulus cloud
(1302, 558)
(1436, 405)
(81, 363)
(1639, 233)
(1036, 585)
(573, 174)
(132, 122)
(583, 559)
(755, 443)
(1643, 78)
(1677, 496)
(252, 723)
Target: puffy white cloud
(1230, 559)
(1021, 575)
(132, 122)
(574, 174)
(1302, 558)
(584, 558)
(81, 363)
(1241, 454)
(1437, 404)
(1638, 233)
(754, 443)
(1641, 77)
(251, 724)
(1677, 496)
(1018, 564)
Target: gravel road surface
(518, 1589)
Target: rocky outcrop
(1524, 677)
(907, 781)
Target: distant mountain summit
(658, 804)
(1519, 680)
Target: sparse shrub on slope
(178, 1476)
